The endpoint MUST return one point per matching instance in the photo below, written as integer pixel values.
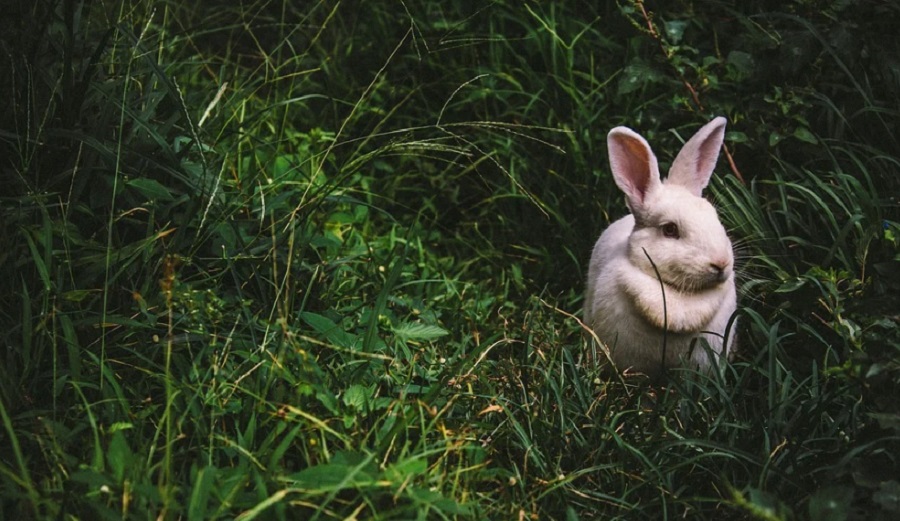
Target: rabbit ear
(695, 163)
(634, 166)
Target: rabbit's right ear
(694, 165)
(634, 166)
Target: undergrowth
(277, 260)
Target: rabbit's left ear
(634, 167)
(695, 163)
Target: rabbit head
(674, 226)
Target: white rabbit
(680, 231)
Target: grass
(316, 261)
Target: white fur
(624, 299)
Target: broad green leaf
(356, 396)
(77, 295)
(324, 476)
(418, 331)
(804, 134)
(675, 30)
(151, 189)
(331, 331)
(332, 476)
(636, 76)
(409, 467)
(736, 137)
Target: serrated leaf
(419, 331)
(120, 426)
(356, 396)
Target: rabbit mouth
(699, 282)
(715, 278)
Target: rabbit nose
(718, 269)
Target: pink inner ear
(708, 155)
(639, 166)
(696, 161)
(633, 165)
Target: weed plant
(324, 260)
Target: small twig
(731, 163)
(695, 96)
(662, 47)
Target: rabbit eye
(670, 230)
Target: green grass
(324, 260)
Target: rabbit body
(675, 227)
